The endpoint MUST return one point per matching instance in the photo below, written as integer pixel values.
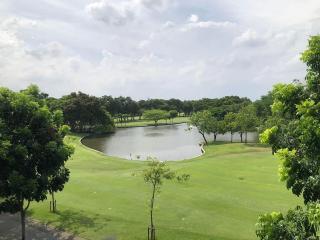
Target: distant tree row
(125, 108)
(86, 113)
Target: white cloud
(224, 47)
(206, 25)
(194, 18)
(249, 38)
(111, 12)
(117, 12)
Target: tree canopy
(295, 138)
(31, 151)
(155, 115)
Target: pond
(169, 142)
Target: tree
(246, 120)
(154, 175)
(216, 127)
(56, 183)
(173, 114)
(295, 138)
(202, 120)
(31, 150)
(155, 115)
(263, 106)
(84, 113)
(230, 122)
(61, 176)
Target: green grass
(144, 122)
(229, 187)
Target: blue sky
(185, 49)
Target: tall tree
(216, 127)
(84, 113)
(202, 120)
(246, 120)
(230, 123)
(32, 150)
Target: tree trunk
(241, 136)
(23, 222)
(204, 137)
(215, 137)
(23, 218)
(231, 136)
(151, 228)
(53, 202)
(151, 206)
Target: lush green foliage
(155, 115)
(84, 113)
(32, 151)
(202, 120)
(295, 225)
(296, 139)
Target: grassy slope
(230, 186)
(143, 122)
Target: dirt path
(10, 230)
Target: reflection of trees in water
(153, 134)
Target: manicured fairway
(230, 186)
(143, 122)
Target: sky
(187, 49)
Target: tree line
(86, 113)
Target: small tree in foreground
(56, 183)
(154, 175)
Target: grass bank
(229, 187)
(144, 122)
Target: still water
(170, 142)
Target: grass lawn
(144, 122)
(229, 187)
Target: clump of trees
(84, 113)
(155, 115)
(243, 121)
(295, 139)
(32, 150)
(156, 173)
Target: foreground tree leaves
(32, 151)
(295, 139)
